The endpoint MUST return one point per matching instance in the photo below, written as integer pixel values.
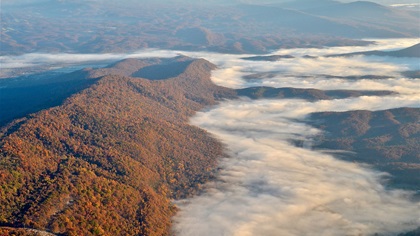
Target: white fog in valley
(268, 186)
(319, 72)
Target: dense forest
(388, 140)
(109, 159)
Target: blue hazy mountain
(231, 26)
(368, 13)
(413, 51)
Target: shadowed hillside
(22, 96)
(165, 71)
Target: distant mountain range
(240, 28)
(413, 51)
(307, 94)
(268, 58)
(354, 20)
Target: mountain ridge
(413, 51)
(109, 158)
(387, 140)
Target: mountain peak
(367, 6)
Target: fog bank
(269, 186)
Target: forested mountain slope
(107, 161)
(388, 140)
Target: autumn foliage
(388, 140)
(109, 159)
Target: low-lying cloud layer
(268, 186)
(47, 59)
(379, 44)
(319, 72)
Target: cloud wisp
(48, 59)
